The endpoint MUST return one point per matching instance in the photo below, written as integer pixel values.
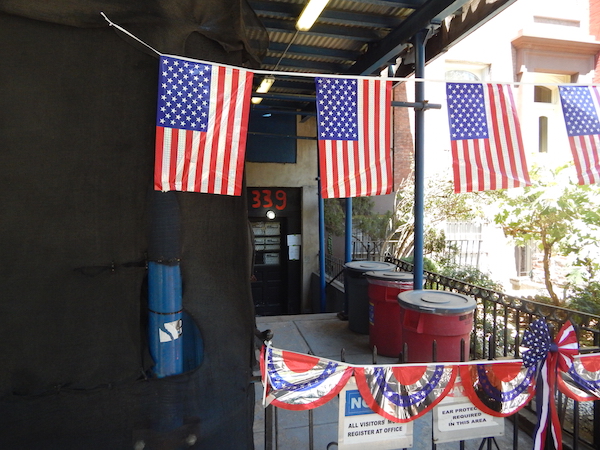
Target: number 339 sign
(268, 198)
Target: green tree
(364, 218)
(556, 214)
(441, 204)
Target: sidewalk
(325, 335)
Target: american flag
(201, 126)
(580, 110)
(487, 148)
(353, 123)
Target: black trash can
(357, 291)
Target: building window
(543, 134)
(461, 75)
(466, 71)
(542, 94)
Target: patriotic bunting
(402, 394)
(551, 356)
(485, 136)
(300, 381)
(499, 389)
(581, 381)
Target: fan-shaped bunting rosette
(299, 381)
(582, 381)
(498, 389)
(404, 393)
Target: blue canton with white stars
(580, 114)
(183, 94)
(466, 111)
(337, 109)
(537, 339)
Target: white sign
(359, 425)
(455, 418)
(173, 331)
(294, 253)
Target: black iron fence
(458, 251)
(500, 320)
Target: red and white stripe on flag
(486, 142)
(202, 124)
(580, 106)
(353, 122)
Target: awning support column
(419, 45)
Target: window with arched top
(542, 94)
(461, 75)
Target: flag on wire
(580, 110)
(353, 125)
(487, 148)
(201, 126)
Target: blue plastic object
(165, 318)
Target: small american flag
(201, 126)
(353, 122)
(580, 110)
(487, 148)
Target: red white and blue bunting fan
(404, 393)
(299, 381)
(548, 356)
(582, 381)
(499, 389)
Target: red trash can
(444, 317)
(385, 330)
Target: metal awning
(360, 37)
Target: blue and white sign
(359, 425)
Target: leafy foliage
(556, 214)
(364, 219)
(471, 275)
(440, 204)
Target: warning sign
(359, 425)
(456, 418)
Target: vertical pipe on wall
(165, 304)
(419, 45)
(322, 283)
(348, 231)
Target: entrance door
(269, 282)
(275, 216)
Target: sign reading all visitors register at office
(361, 428)
(455, 418)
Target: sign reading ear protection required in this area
(455, 418)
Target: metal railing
(500, 320)
(334, 268)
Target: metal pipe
(322, 283)
(348, 235)
(165, 318)
(419, 44)
(347, 248)
(165, 303)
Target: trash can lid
(366, 266)
(390, 276)
(436, 302)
